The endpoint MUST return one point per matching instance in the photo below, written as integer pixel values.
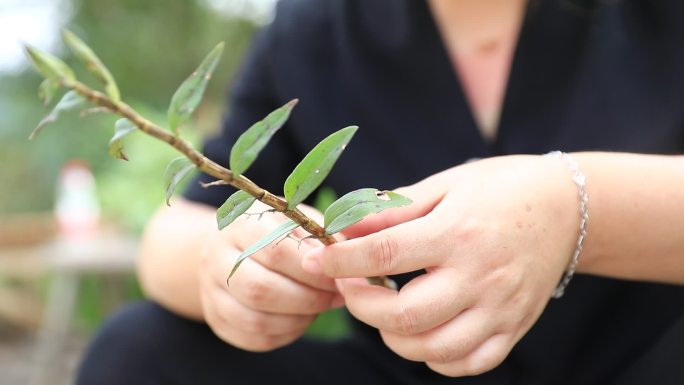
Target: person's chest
(577, 82)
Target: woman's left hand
(494, 238)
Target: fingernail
(312, 265)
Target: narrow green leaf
(47, 90)
(189, 94)
(234, 206)
(178, 169)
(316, 166)
(283, 229)
(50, 66)
(122, 128)
(251, 142)
(70, 101)
(93, 63)
(356, 205)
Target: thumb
(425, 195)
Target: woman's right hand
(271, 300)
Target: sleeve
(252, 97)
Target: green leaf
(122, 128)
(47, 90)
(93, 63)
(189, 94)
(251, 142)
(50, 66)
(234, 206)
(70, 101)
(178, 169)
(356, 205)
(283, 229)
(316, 166)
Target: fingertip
(364, 227)
(378, 222)
(345, 284)
(374, 223)
(312, 265)
(311, 262)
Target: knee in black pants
(139, 344)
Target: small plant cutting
(299, 185)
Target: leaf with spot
(47, 91)
(284, 229)
(356, 205)
(178, 169)
(233, 207)
(190, 93)
(70, 101)
(122, 128)
(316, 166)
(50, 66)
(93, 63)
(251, 142)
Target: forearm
(170, 255)
(636, 223)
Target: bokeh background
(150, 47)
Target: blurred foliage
(150, 47)
(330, 325)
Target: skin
(494, 237)
(184, 259)
(271, 300)
(480, 38)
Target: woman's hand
(270, 300)
(494, 237)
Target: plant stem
(212, 168)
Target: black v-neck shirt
(586, 75)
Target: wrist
(579, 179)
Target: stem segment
(212, 168)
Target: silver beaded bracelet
(580, 181)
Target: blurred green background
(150, 47)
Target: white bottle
(77, 209)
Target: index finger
(400, 249)
(425, 302)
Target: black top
(586, 75)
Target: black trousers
(146, 345)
